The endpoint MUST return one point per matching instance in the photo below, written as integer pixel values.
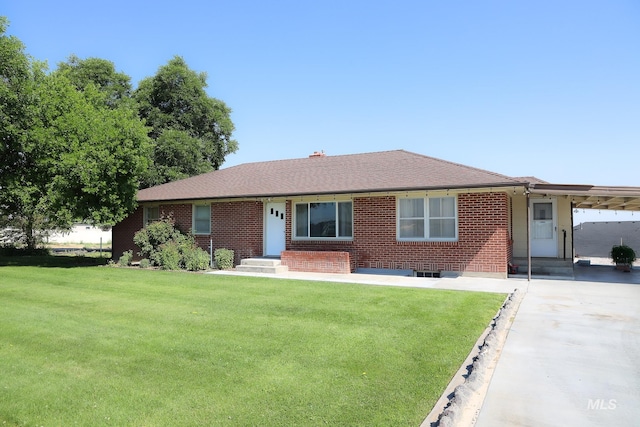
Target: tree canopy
(192, 131)
(67, 155)
(102, 73)
(16, 79)
(77, 143)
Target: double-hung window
(201, 219)
(323, 220)
(431, 218)
(151, 214)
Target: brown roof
(530, 179)
(320, 174)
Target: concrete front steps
(546, 266)
(262, 265)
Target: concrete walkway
(452, 283)
(571, 356)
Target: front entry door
(544, 228)
(275, 230)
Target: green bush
(167, 247)
(223, 258)
(145, 263)
(154, 235)
(125, 259)
(623, 254)
(168, 257)
(195, 259)
(158, 258)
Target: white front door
(275, 230)
(544, 228)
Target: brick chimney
(317, 154)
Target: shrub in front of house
(125, 259)
(195, 259)
(223, 258)
(168, 248)
(168, 256)
(154, 235)
(145, 263)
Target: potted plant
(623, 256)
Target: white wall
(82, 233)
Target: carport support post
(528, 235)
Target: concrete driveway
(572, 355)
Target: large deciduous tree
(100, 72)
(192, 131)
(17, 73)
(67, 154)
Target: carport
(592, 196)
(582, 197)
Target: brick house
(392, 210)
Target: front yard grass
(109, 346)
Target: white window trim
(326, 239)
(426, 218)
(193, 220)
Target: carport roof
(593, 196)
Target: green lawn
(98, 345)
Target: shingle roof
(530, 179)
(354, 173)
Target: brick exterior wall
(483, 246)
(122, 234)
(317, 262)
(236, 226)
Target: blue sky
(543, 88)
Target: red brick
(483, 243)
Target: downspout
(526, 190)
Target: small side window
(151, 214)
(201, 219)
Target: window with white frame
(151, 214)
(201, 219)
(323, 220)
(431, 218)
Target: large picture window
(323, 220)
(432, 218)
(201, 219)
